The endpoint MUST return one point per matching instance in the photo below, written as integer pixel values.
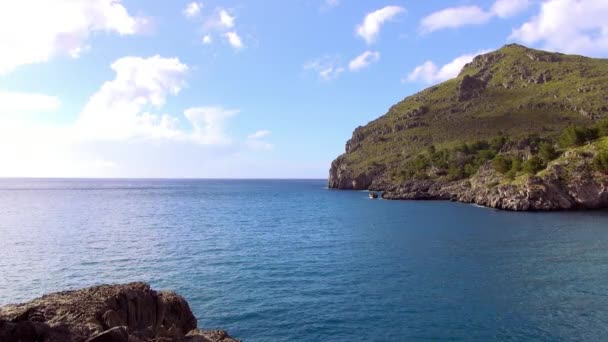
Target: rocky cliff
(567, 183)
(108, 313)
(517, 103)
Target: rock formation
(568, 183)
(420, 149)
(108, 313)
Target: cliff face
(117, 313)
(517, 94)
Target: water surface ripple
(293, 261)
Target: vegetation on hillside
(516, 107)
(511, 158)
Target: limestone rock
(560, 187)
(106, 313)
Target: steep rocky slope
(108, 313)
(440, 143)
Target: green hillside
(512, 103)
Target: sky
(239, 88)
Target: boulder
(106, 313)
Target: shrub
(547, 151)
(479, 145)
(600, 162)
(421, 162)
(497, 143)
(470, 169)
(484, 155)
(455, 172)
(501, 163)
(576, 136)
(533, 165)
(602, 128)
(516, 164)
(464, 148)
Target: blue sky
(243, 88)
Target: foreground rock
(108, 313)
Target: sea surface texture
(289, 260)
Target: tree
(600, 162)
(533, 165)
(547, 151)
(515, 164)
(497, 143)
(602, 127)
(501, 163)
(576, 136)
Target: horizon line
(159, 178)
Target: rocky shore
(109, 313)
(568, 183)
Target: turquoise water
(293, 261)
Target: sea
(290, 260)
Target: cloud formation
(259, 134)
(327, 68)
(372, 23)
(234, 39)
(119, 110)
(454, 17)
(208, 124)
(569, 26)
(193, 9)
(509, 8)
(226, 19)
(255, 140)
(364, 60)
(223, 24)
(430, 73)
(12, 102)
(33, 31)
(121, 121)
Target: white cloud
(569, 26)
(330, 73)
(226, 19)
(370, 28)
(33, 31)
(16, 102)
(364, 60)
(327, 68)
(259, 134)
(234, 39)
(119, 134)
(255, 140)
(508, 8)
(119, 109)
(208, 124)
(222, 23)
(193, 9)
(430, 73)
(454, 17)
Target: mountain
(518, 129)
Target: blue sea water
(289, 260)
